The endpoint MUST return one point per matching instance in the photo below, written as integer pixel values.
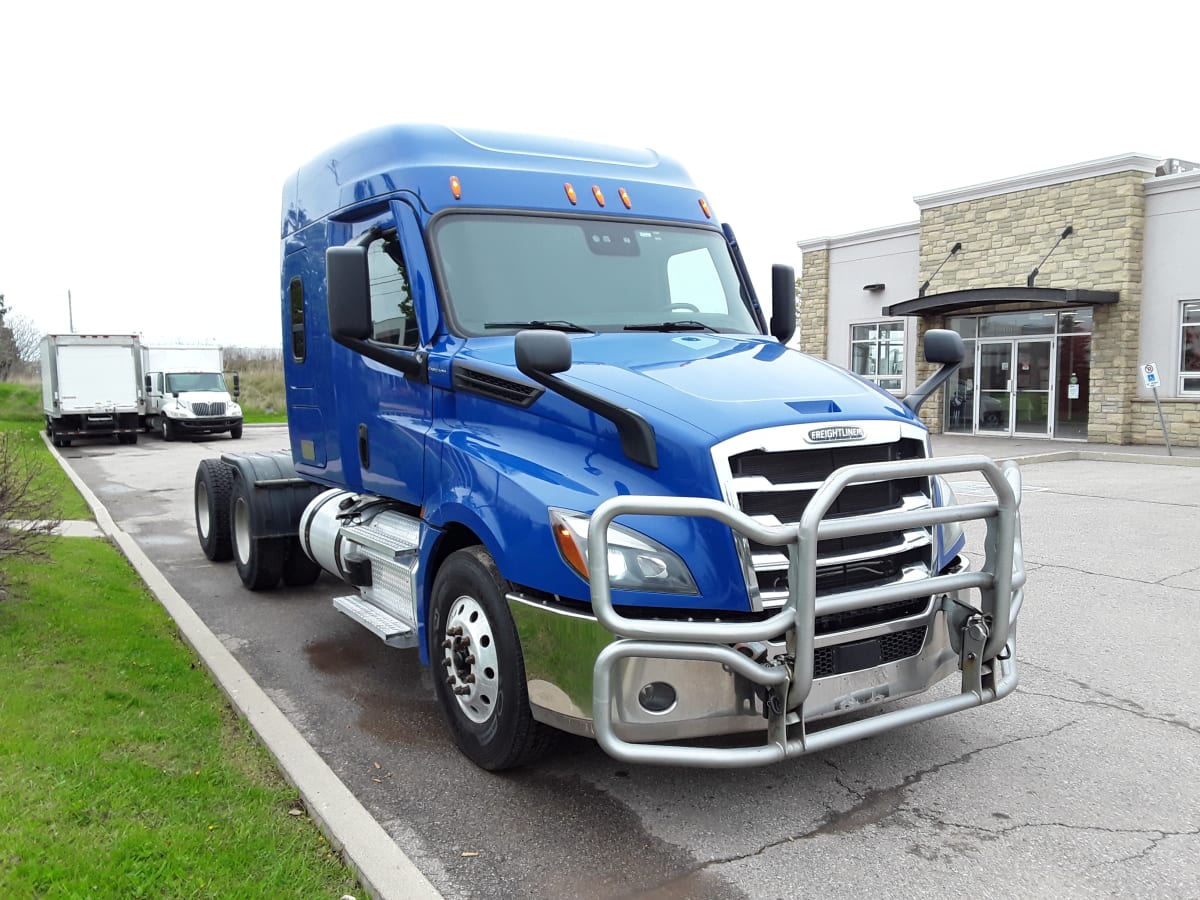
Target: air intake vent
(472, 381)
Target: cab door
(391, 410)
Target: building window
(877, 353)
(1189, 349)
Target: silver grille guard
(988, 638)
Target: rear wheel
(479, 672)
(214, 486)
(259, 560)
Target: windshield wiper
(679, 325)
(553, 325)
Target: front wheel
(479, 671)
(236, 431)
(169, 432)
(259, 560)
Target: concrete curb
(1101, 456)
(382, 867)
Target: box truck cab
(185, 392)
(541, 427)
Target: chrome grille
(775, 488)
(208, 409)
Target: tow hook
(975, 635)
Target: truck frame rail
(987, 631)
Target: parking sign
(1150, 375)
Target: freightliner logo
(835, 433)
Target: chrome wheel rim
(469, 660)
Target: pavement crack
(1154, 836)
(871, 808)
(1031, 565)
(1106, 700)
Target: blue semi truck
(543, 429)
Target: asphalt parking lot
(1085, 783)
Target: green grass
(125, 772)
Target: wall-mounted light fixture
(874, 288)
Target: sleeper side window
(296, 304)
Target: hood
(718, 383)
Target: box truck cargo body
(90, 386)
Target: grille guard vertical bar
(1003, 574)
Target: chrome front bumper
(585, 674)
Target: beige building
(1064, 284)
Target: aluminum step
(389, 541)
(383, 625)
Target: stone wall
(1005, 236)
(814, 302)
(1182, 417)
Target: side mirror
(146, 381)
(237, 385)
(546, 352)
(783, 303)
(349, 297)
(941, 346)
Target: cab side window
(392, 317)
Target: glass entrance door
(1032, 362)
(1015, 379)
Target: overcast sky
(143, 147)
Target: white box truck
(90, 386)
(185, 392)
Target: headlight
(233, 409)
(951, 532)
(635, 562)
(181, 410)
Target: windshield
(502, 272)
(179, 382)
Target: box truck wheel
(236, 431)
(259, 561)
(214, 486)
(478, 669)
(167, 429)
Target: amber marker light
(570, 189)
(596, 193)
(455, 187)
(704, 208)
(624, 195)
(570, 550)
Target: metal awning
(999, 297)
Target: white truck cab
(185, 392)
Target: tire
(214, 485)
(259, 561)
(298, 569)
(167, 429)
(236, 431)
(474, 648)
